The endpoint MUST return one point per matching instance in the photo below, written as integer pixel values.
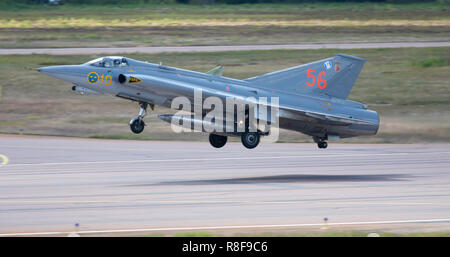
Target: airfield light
(325, 226)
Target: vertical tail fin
(334, 76)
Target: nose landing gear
(137, 124)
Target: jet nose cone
(62, 72)
(45, 70)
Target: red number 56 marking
(320, 79)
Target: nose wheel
(137, 124)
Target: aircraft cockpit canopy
(108, 62)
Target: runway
(163, 49)
(49, 183)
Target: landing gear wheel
(137, 125)
(250, 139)
(322, 144)
(217, 141)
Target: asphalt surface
(50, 183)
(114, 50)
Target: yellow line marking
(4, 158)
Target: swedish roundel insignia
(92, 77)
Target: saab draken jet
(310, 98)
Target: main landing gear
(249, 139)
(217, 141)
(321, 143)
(137, 124)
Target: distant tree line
(213, 1)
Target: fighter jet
(312, 98)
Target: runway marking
(230, 227)
(4, 158)
(221, 159)
(328, 202)
(226, 202)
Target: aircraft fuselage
(163, 84)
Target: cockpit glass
(97, 62)
(124, 62)
(108, 62)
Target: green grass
(9, 123)
(363, 14)
(433, 62)
(353, 234)
(19, 7)
(196, 234)
(413, 100)
(350, 233)
(140, 25)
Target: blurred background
(409, 87)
